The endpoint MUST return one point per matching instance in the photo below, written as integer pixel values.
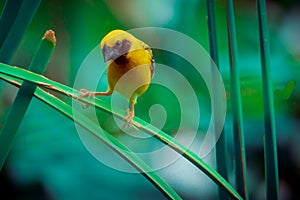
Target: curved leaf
(160, 135)
(106, 138)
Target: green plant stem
(17, 30)
(23, 98)
(238, 126)
(221, 143)
(8, 15)
(270, 146)
(13, 74)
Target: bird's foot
(129, 119)
(86, 93)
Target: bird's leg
(130, 114)
(129, 117)
(89, 94)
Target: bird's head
(115, 44)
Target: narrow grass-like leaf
(20, 24)
(270, 145)
(8, 15)
(237, 112)
(221, 143)
(106, 138)
(7, 71)
(24, 96)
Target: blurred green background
(48, 160)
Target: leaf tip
(50, 35)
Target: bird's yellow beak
(110, 53)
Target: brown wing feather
(152, 67)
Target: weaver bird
(130, 68)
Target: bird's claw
(129, 119)
(85, 93)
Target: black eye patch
(124, 47)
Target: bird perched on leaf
(130, 68)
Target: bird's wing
(152, 66)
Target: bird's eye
(118, 42)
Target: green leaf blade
(23, 99)
(99, 104)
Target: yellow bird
(130, 68)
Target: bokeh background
(48, 160)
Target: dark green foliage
(221, 144)
(270, 144)
(14, 21)
(238, 126)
